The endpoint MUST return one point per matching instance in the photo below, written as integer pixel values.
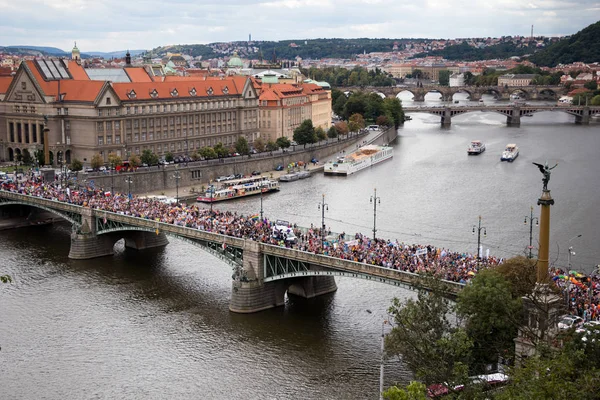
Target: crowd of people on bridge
(449, 265)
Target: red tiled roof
(164, 89)
(74, 90)
(77, 71)
(6, 71)
(137, 74)
(5, 83)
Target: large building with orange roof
(120, 110)
(284, 106)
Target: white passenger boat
(292, 176)
(476, 147)
(362, 158)
(510, 153)
(237, 188)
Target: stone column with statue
(542, 307)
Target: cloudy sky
(108, 25)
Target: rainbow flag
(255, 217)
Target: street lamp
(374, 200)
(211, 187)
(479, 228)
(262, 189)
(537, 222)
(323, 206)
(129, 180)
(571, 252)
(177, 176)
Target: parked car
(221, 179)
(229, 177)
(238, 176)
(570, 321)
(279, 167)
(255, 173)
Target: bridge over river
(513, 112)
(262, 273)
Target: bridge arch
(493, 91)
(463, 90)
(405, 90)
(231, 255)
(73, 218)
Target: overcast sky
(108, 25)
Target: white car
(570, 321)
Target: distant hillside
(584, 46)
(113, 54)
(288, 49)
(465, 52)
(53, 51)
(33, 50)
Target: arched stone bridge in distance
(262, 273)
(474, 92)
(512, 112)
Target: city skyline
(149, 24)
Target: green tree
(76, 165)
(169, 156)
(27, 159)
(5, 279)
(338, 105)
(332, 132)
(135, 161)
(591, 85)
(356, 123)
(444, 77)
(114, 160)
(305, 133)
(208, 153)
(429, 345)
(242, 146)
(272, 146)
(149, 158)
(383, 120)
(341, 127)
(221, 150)
(393, 109)
(374, 107)
(356, 104)
(492, 316)
(596, 100)
(39, 157)
(469, 78)
(414, 391)
(96, 161)
(417, 74)
(259, 145)
(283, 142)
(321, 135)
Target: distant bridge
(262, 273)
(513, 113)
(474, 92)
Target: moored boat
(476, 147)
(362, 158)
(237, 188)
(292, 176)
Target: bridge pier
(89, 245)
(312, 286)
(419, 97)
(514, 118)
(584, 118)
(446, 117)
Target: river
(156, 325)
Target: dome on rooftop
(235, 61)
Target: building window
(136, 137)
(100, 126)
(108, 101)
(109, 140)
(23, 85)
(100, 140)
(118, 139)
(128, 110)
(117, 125)
(109, 126)
(136, 123)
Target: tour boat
(476, 147)
(362, 158)
(237, 188)
(510, 153)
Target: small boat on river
(510, 153)
(476, 147)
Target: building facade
(283, 107)
(83, 117)
(515, 79)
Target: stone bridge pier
(249, 292)
(86, 243)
